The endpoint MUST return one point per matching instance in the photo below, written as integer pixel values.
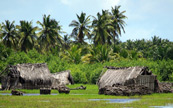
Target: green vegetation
(86, 72)
(79, 99)
(93, 44)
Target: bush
(165, 70)
(18, 58)
(124, 53)
(89, 73)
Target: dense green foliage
(79, 99)
(95, 45)
(84, 72)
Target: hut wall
(14, 83)
(36, 84)
(4, 83)
(10, 83)
(30, 86)
(55, 83)
(147, 80)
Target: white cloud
(109, 3)
(66, 2)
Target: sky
(146, 18)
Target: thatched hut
(26, 76)
(127, 76)
(64, 77)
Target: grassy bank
(79, 99)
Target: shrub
(124, 53)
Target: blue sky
(146, 18)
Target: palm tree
(73, 55)
(49, 35)
(8, 34)
(101, 26)
(118, 21)
(81, 28)
(156, 40)
(27, 35)
(0, 28)
(100, 53)
(66, 41)
(0, 33)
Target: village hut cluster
(115, 81)
(130, 81)
(33, 76)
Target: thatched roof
(34, 71)
(27, 76)
(33, 76)
(120, 75)
(64, 77)
(29, 72)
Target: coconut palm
(156, 40)
(101, 26)
(66, 41)
(8, 34)
(81, 28)
(100, 53)
(0, 28)
(73, 55)
(49, 35)
(27, 35)
(109, 26)
(118, 21)
(0, 33)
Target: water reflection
(166, 106)
(115, 100)
(27, 94)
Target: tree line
(93, 44)
(95, 40)
(103, 29)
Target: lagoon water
(115, 100)
(37, 94)
(166, 106)
(27, 94)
